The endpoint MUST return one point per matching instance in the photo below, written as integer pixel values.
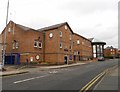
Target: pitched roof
(82, 37)
(55, 27)
(110, 47)
(25, 28)
(20, 26)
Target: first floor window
(13, 45)
(40, 45)
(35, 43)
(17, 45)
(60, 44)
(78, 41)
(60, 34)
(70, 47)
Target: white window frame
(9, 30)
(78, 41)
(36, 44)
(60, 33)
(13, 45)
(60, 44)
(39, 45)
(16, 45)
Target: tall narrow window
(60, 44)
(40, 44)
(13, 46)
(17, 45)
(70, 47)
(9, 29)
(78, 41)
(35, 43)
(60, 34)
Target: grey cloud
(85, 7)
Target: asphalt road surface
(70, 78)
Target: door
(65, 59)
(10, 59)
(74, 57)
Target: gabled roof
(20, 26)
(110, 47)
(25, 28)
(55, 27)
(82, 37)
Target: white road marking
(30, 79)
(53, 71)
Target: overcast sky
(89, 18)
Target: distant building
(56, 44)
(111, 52)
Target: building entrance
(65, 59)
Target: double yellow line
(93, 81)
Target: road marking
(53, 71)
(30, 79)
(88, 85)
(94, 80)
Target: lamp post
(4, 44)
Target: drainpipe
(44, 46)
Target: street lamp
(4, 44)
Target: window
(78, 41)
(66, 27)
(60, 34)
(13, 45)
(73, 43)
(110, 49)
(51, 35)
(35, 43)
(60, 44)
(82, 43)
(40, 44)
(17, 45)
(70, 47)
(9, 29)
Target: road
(70, 78)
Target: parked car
(101, 58)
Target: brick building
(111, 52)
(55, 44)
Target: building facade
(111, 52)
(56, 44)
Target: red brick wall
(25, 40)
(51, 48)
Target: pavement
(13, 70)
(109, 81)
